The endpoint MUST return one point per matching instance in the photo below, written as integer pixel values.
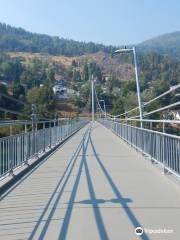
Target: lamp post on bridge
(92, 97)
(127, 50)
(91, 79)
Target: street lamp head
(123, 50)
(133, 50)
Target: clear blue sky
(104, 21)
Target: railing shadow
(93, 201)
(69, 168)
(67, 217)
(119, 198)
(99, 220)
(35, 168)
(96, 201)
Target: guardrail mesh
(16, 150)
(160, 147)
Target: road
(94, 186)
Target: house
(173, 115)
(58, 89)
(177, 115)
(62, 92)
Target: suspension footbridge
(108, 177)
(94, 186)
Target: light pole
(91, 78)
(133, 49)
(92, 97)
(104, 105)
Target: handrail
(17, 150)
(160, 147)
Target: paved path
(93, 187)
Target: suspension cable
(152, 100)
(163, 108)
(11, 98)
(98, 101)
(12, 111)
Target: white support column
(92, 97)
(137, 85)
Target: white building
(57, 89)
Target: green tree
(85, 72)
(118, 106)
(44, 98)
(51, 75)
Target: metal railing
(160, 147)
(16, 150)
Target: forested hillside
(17, 39)
(30, 64)
(167, 44)
(115, 84)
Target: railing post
(25, 128)
(165, 171)
(50, 135)
(131, 133)
(61, 131)
(26, 144)
(10, 130)
(34, 127)
(11, 150)
(54, 134)
(44, 137)
(71, 129)
(151, 144)
(68, 126)
(126, 130)
(114, 125)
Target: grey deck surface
(101, 189)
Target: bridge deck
(99, 189)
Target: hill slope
(14, 39)
(28, 60)
(165, 44)
(17, 39)
(119, 66)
